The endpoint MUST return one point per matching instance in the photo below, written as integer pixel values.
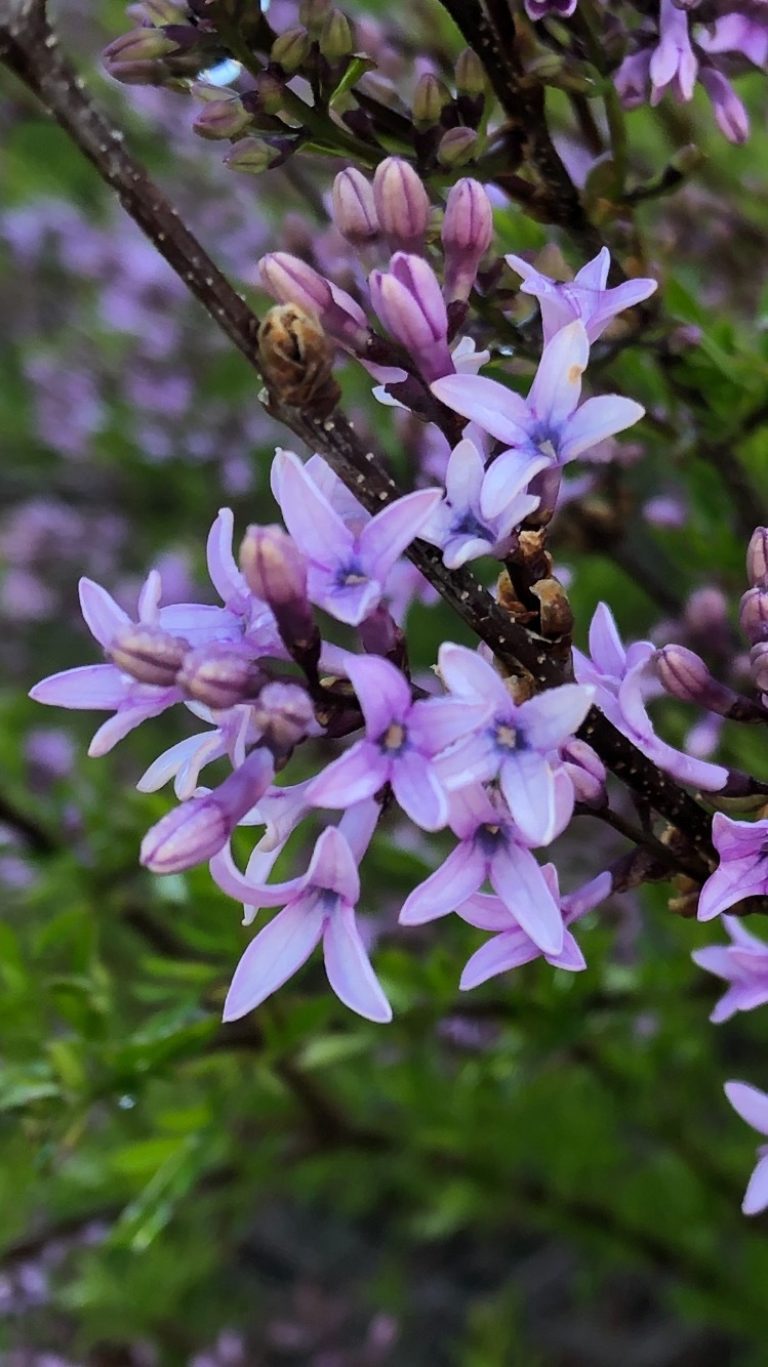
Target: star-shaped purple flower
(510, 946)
(402, 739)
(585, 297)
(347, 570)
(519, 742)
(458, 527)
(743, 868)
(319, 906)
(545, 431)
(743, 964)
(752, 1105)
(489, 848)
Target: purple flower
(745, 34)
(544, 431)
(743, 868)
(409, 301)
(673, 63)
(232, 732)
(489, 848)
(347, 570)
(402, 739)
(752, 1105)
(318, 906)
(730, 112)
(624, 679)
(291, 281)
(467, 233)
(457, 525)
(743, 964)
(402, 203)
(511, 946)
(195, 831)
(585, 297)
(519, 742)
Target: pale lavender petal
(125, 721)
(168, 764)
(495, 408)
(468, 762)
(461, 874)
(615, 301)
(750, 1103)
(436, 723)
(727, 1006)
(459, 550)
(584, 899)
(149, 598)
(102, 615)
(277, 952)
(736, 927)
(383, 692)
(570, 956)
(520, 883)
(594, 275)
(419, 791)
(89, 687)
(358, 825)
(605, 644)
(557, 386)
(246, 889)
(349, 969)
(528, 784)
(738, 840)
(731, 883)
(509, 473)
(200, 623)
(487, 911)
(464, 475)
(550, 718)
(224, 574)
(498, 955)
(595, 420)
(714, 959)
(468, 675)
(756, 1195)
(333, 867)
(318, 531)
(387, 535)
(355, 775)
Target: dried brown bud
(556, 614)
(297, 361)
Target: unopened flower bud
(284, 715)
(684, 675)
(292, 281)
(337, 38)
(219, 677)
(753, 615)
(586, 772)
(757, 558)
(199, 828)
(270, 92)
(135, 58)
(313, 13)
(354, 209)
(223, 118)
(758, 663)
(429, 100)
(457, 147)
(252, 156)
(291, 49)
(148, 653)
(402, 203)
(275, 569)
(410, 303)
(469, 72)
(467, 234)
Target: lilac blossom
(347, 571)
(401, 742)
(510, 946)
(490, 848)
(232, 731)
(409, 301)
(545, 431)
(318, 906)
(752, 1105)
(673, 64)
(193, 832)
(519, 743)
(743, 868)
(624, 679)
(457, 526)
(586, 296)
(743, 965)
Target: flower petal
(494, 407)
(419, 791)
(333, 866)
(276, 953)
(89, 687)
(317, 530)
(103, 616)
(355, 775)
(383, 692)
(386, 536)
(756, 1195)
(750, 1103)
(557, 386)
(734, 880)
(224, 574)
(528, 784)
(460, 875)
(505, 477)
(468, 675)
(595, 420)
(520, 883)
(549, 719)
(498, 955)
(349, 969)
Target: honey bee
(297, 361)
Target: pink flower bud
(291, 281)
(149, 654)
(758, 661)
(467, 234)
(409, 302)
(274, 567)
(221, 119)
(757, 558)
(284, 714)
(402, 203)
(354, 210)
(199, 828)
(753, 615)
(219, 677)
(586, 772)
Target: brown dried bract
(297, 361)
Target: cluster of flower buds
(753, 612)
